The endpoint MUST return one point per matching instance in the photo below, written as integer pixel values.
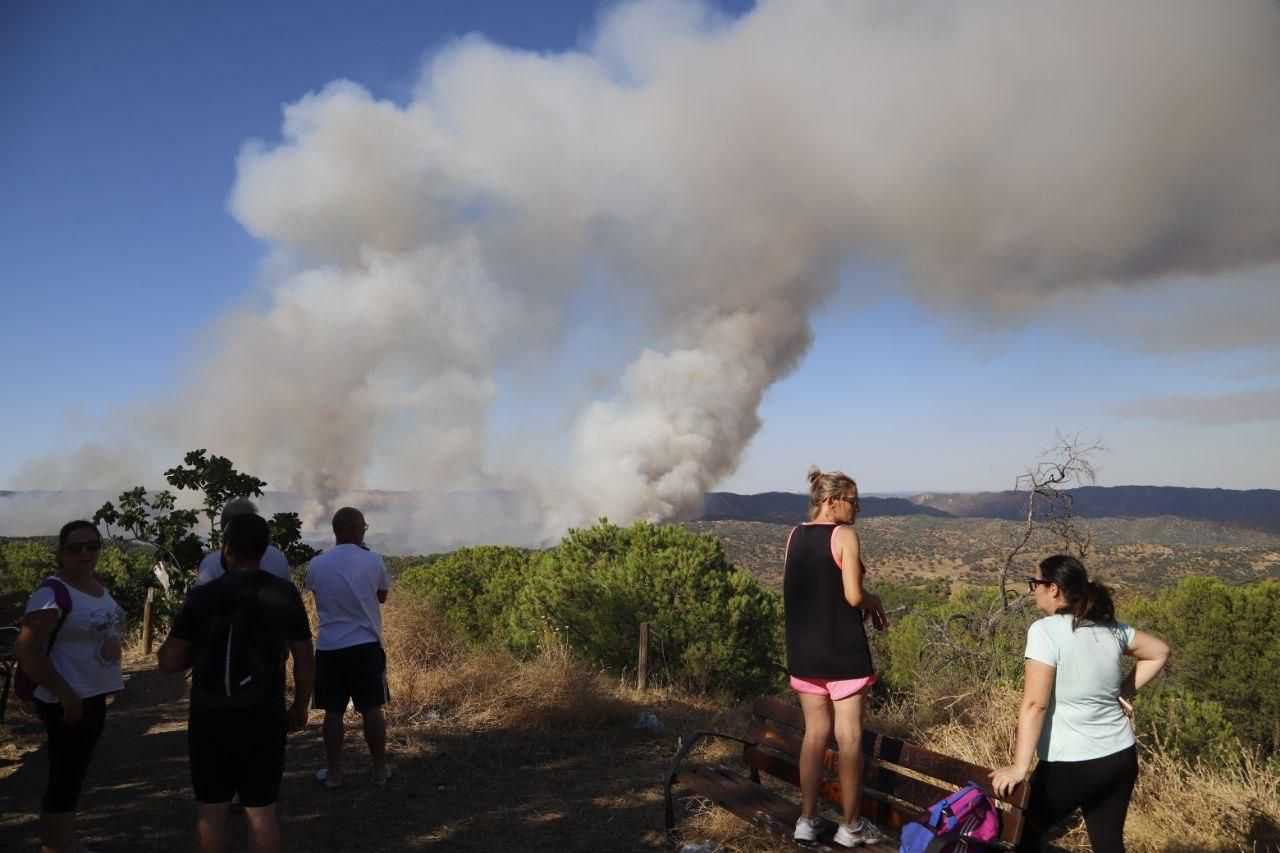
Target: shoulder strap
(834, 556)
(61, 595)
(62, 598)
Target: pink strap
(834, 554)
(786, 551)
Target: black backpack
(230, 669)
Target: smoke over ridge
(718, 173)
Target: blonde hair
(829, 485)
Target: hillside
(1257, 508)
(1143, 553)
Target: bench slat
(760, 806)
(877, 776)
(882, 792)
(875, 806)
(918, 759)
(773, 813)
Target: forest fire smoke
(717, 174)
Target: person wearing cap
(214, 565)
(350, 585)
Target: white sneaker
(858, 834)
(807, 829)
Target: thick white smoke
(718, 173)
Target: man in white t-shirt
(212, 566)
(350, 585)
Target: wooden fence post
(642, 665)
(147, 626)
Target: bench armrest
(685, 749)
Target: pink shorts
(837, 690)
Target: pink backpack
(959, 823)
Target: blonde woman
(827, 653)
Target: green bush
(714, 626)
(942, 646)
(1225, 644)
(23, 564)
(129, 574)
(1185, 726)
(473, 588)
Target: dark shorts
(237, 752)
(70, 750)
(356, 673)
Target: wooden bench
(890, 797)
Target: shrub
(129, 574)
(23, 564)
(473, 589)
(1186, 728)
(714, 626)
(1226, 649)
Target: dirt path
(452, 790)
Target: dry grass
(483, 689)
(730, 833)
(1181, 808)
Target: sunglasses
(853, 501)
(1032, 583)
(77, 547)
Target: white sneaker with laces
(858, 834)
(807, 829)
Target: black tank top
(825, 636)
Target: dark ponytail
(1087, 601)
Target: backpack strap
(62, 598)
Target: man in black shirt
(235, 634)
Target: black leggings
(1101, 787)
(70, 749)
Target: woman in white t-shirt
(75, 676)
(1075, 707)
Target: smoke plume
(715, 175)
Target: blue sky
(122, 126)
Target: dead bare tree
(969, 641)
(1049, 504)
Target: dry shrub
(978, 727)
(430, 669)
(418, 643)
(1175, 807)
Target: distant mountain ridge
(788, 507)
(1254, 508)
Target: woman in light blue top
(1075, 707)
